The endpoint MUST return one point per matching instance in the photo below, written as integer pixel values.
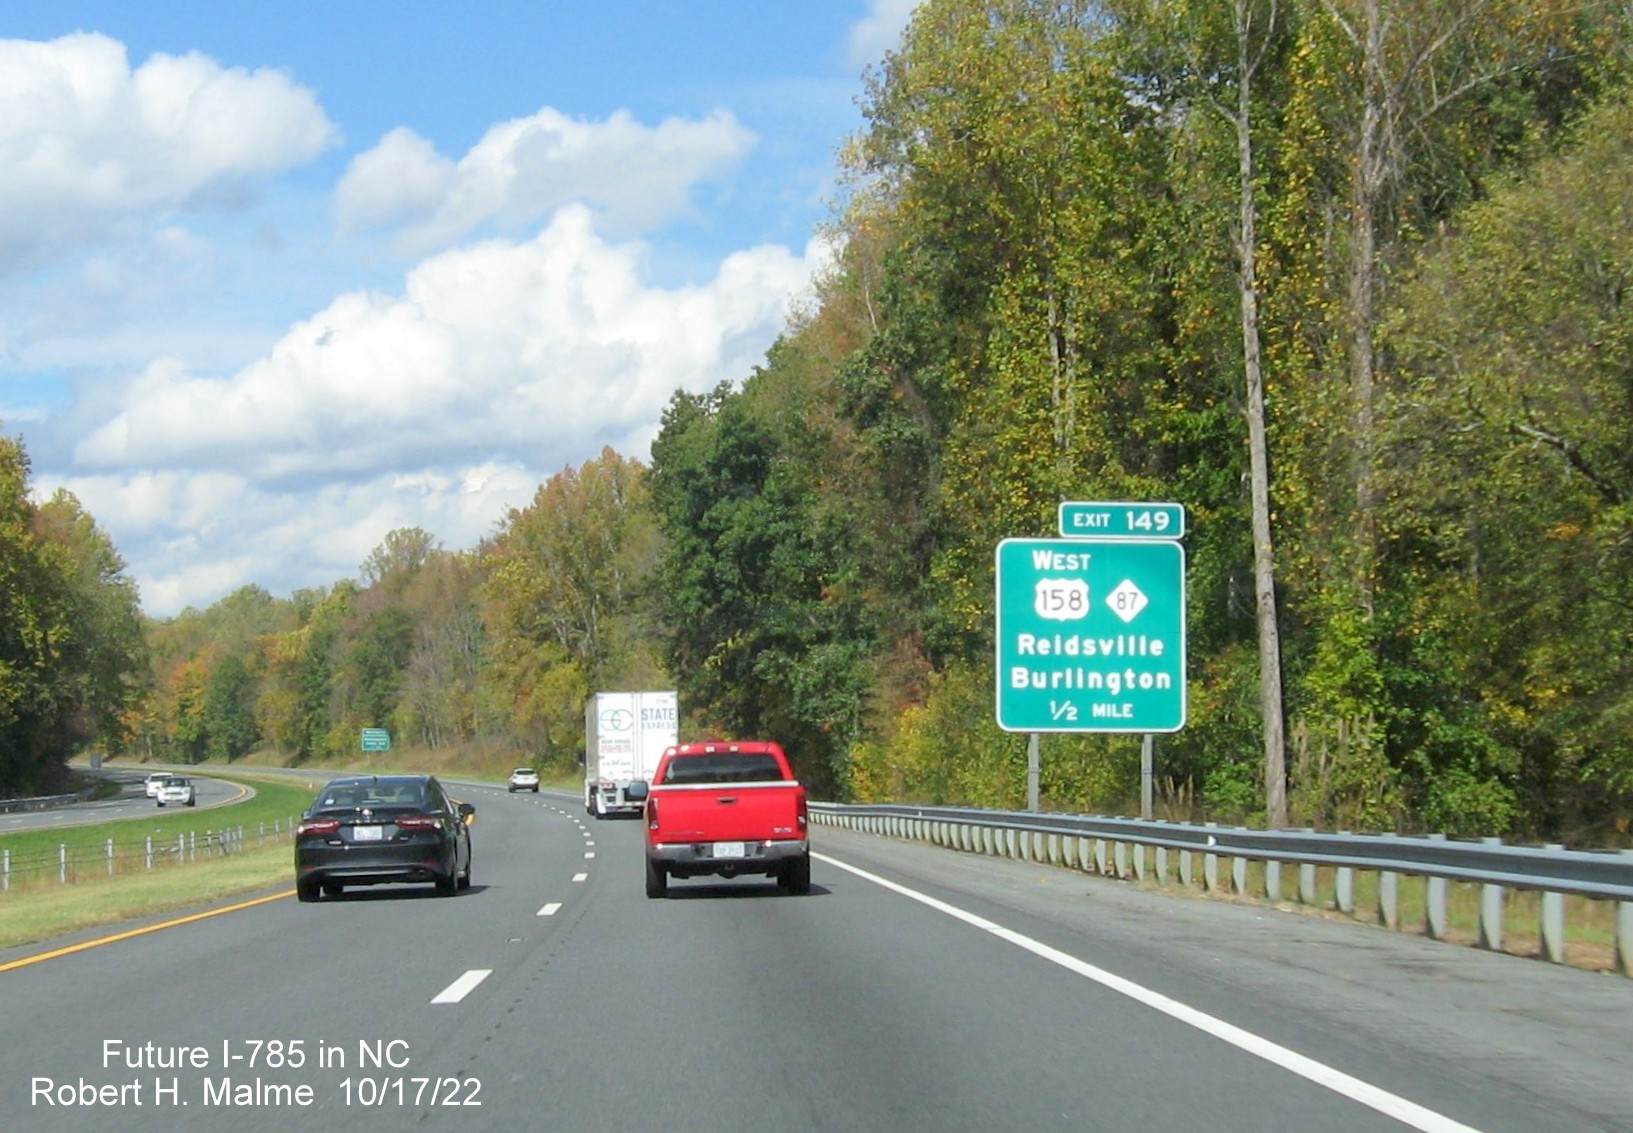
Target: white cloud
(438, 407)
(880, 31)
(501, 346)
(88, 144)
(634, 176)
(191, 538)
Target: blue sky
(276, 279)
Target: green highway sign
(1091, 635)
(376, 739)
(1089, 520)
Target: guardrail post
(1210, 872)
(110, 857)
(1100, 856)
(1491, 910)
(1238, 875)
(62, 863)
(150, 851)
(1185, 868)
(1119, 858)
(1344, 886)
(1138, 851)
(1307, 893)
(1162, 865)
(1553, 922)
(1434, 902)
(1272, 881)
(1389, 899)
(1624, 935)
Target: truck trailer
(625, 734)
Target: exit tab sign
(1080, 520)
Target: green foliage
(70, 643)
(229, 710)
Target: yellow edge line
(100, 941)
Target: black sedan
(377, 829)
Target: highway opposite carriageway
(130, 802)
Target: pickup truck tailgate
(728, 811)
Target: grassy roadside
(47, 912)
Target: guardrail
(1122, 847)
(42, 802)
(112, 858)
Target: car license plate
(368, 833)
(729, 850)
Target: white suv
(524, 779)
(150, 785)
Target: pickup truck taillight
(804, 815)
(651, 814)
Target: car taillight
(651, 814)
(318, 826)
(804, 815)
(418, 822)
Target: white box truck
(625, 734)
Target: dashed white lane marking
(581, 877)
(550, 910)
(463, 986)
(1374, 1097)
(589, 855)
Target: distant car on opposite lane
(177, 790)
(379, 829)
(524, 779)
(150, 785)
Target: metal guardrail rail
(1118, 847)
(42, 802)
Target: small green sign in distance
(1090, 635)
(376, 739)
(1124, 520)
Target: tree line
(1346, 278)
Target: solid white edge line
(463, 986)
(550, 910)
(1374, 1097)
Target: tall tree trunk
(1370, 176)
(1264, 561)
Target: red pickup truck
(725, 809)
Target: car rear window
(386, 794)
(724, 767)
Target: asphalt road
(914, 989)
(131, 802)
